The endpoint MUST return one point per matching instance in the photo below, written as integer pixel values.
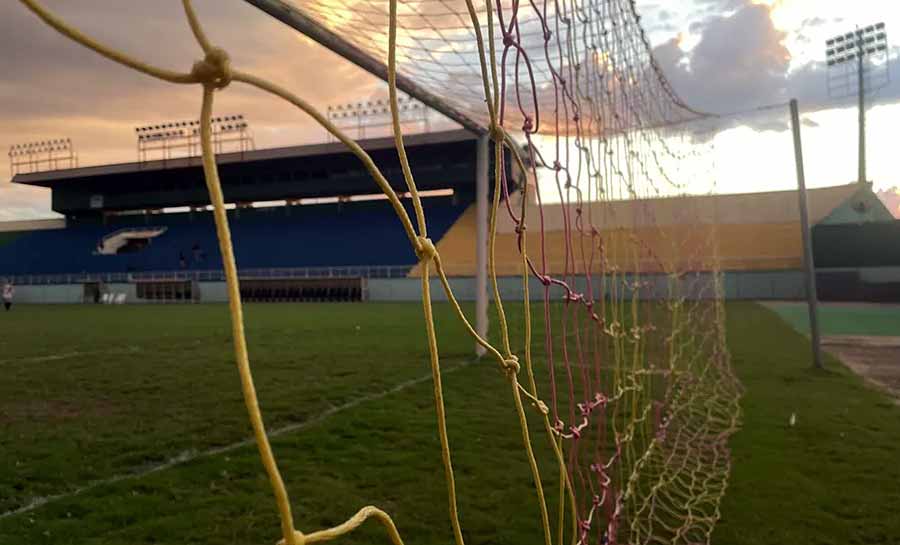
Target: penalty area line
(192, 455)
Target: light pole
(857, 64)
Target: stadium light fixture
(375, 113)
(165, 140)
(858, 63)
(52, 154)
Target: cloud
(813, 22)
(741, 64)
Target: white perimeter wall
(782, 285)
(67, 293)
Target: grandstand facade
(324, 233)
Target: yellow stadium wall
(736, 247)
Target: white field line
(191, 455)
(75, 354)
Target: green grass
(831, 478)
(844, 318)
(90, 392)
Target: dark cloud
(807, 122)
(740, 62)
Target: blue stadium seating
(351, 234)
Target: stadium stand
(114, 236)
(325, 235)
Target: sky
(722, 56)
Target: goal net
(614, 346)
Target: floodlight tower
(371, 114)
(40, 156)
(857, 64)
(169, 138)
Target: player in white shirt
(8, 292)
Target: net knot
(541, 406)
(511, 365)
(214, 70)
(546, 280)
(426, 250)
(528, 124)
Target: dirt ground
(876, 359)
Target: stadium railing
(375, 271)
(758, 264)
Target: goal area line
(188, 456)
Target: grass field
(93, 393)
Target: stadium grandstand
(308, 226)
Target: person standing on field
(8, 292)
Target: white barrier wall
(50, 294)
(751, 285)
(786, 285)
(213, 292)
(56, 294)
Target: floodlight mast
(375, 114)
(165, 141)
(857, 47)
(40, 156)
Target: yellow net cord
(645, 501)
